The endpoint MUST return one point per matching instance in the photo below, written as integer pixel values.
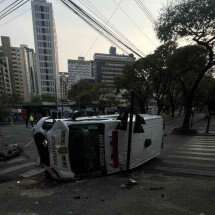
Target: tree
(149, 77)
(135, 79)
(159, 76)
(48, 98)
(7, 102)
(205, 97)
(187, 64)
(85, 92)
(36, 100)
(191, 19)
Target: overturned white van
(99, 145)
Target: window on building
(42, 8)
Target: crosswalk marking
(200, 145)
(188, 171)
(197, 149)
(16, 168)
(191, 157)
(196, 156)
(207, 140)
(196, 153)
(185, 164)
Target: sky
(75, 38)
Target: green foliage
(7, 102)
(190, 18)
(160, 78)
(149, 77)
(36, 100)
(193, 19)
(47, 98)
(205, 95)
(135, 79)
(187, 64)
(85, 92)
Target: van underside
(86, 149)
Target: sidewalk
(199, 123)
(20, 135)
(15, 134)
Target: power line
(145, 10)
(93, 26)
(13, 9)
(10, 5)
(115, 31)
(111, 16)
(110, 26)
(15, 17)
(93, 22)
(136, 25)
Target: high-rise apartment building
(108, 66)
(5, 80)
(78, 70)
(30, 76)
(46, 47)
(20, 71)
(7, 54)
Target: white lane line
(201, 145)
(186, 171)
(198, 146)
(28, 143)
(16, 160)
(190, 158)
(207, 141)
(32, 172)
(195, 153)
(16, 168)
(195, 149)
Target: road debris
(131, 182)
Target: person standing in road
(31, 120)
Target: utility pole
(131, 113)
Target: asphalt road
(181, 188)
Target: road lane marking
(195, 153)
(32, 172)
(186, 171)
(28, 143)
(16, 168)
(16, 160)
(197, 149)
(190, 158)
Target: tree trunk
(142, 105)
(187, 113)
(160, 107)
(172, 111)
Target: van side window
(138, 128)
